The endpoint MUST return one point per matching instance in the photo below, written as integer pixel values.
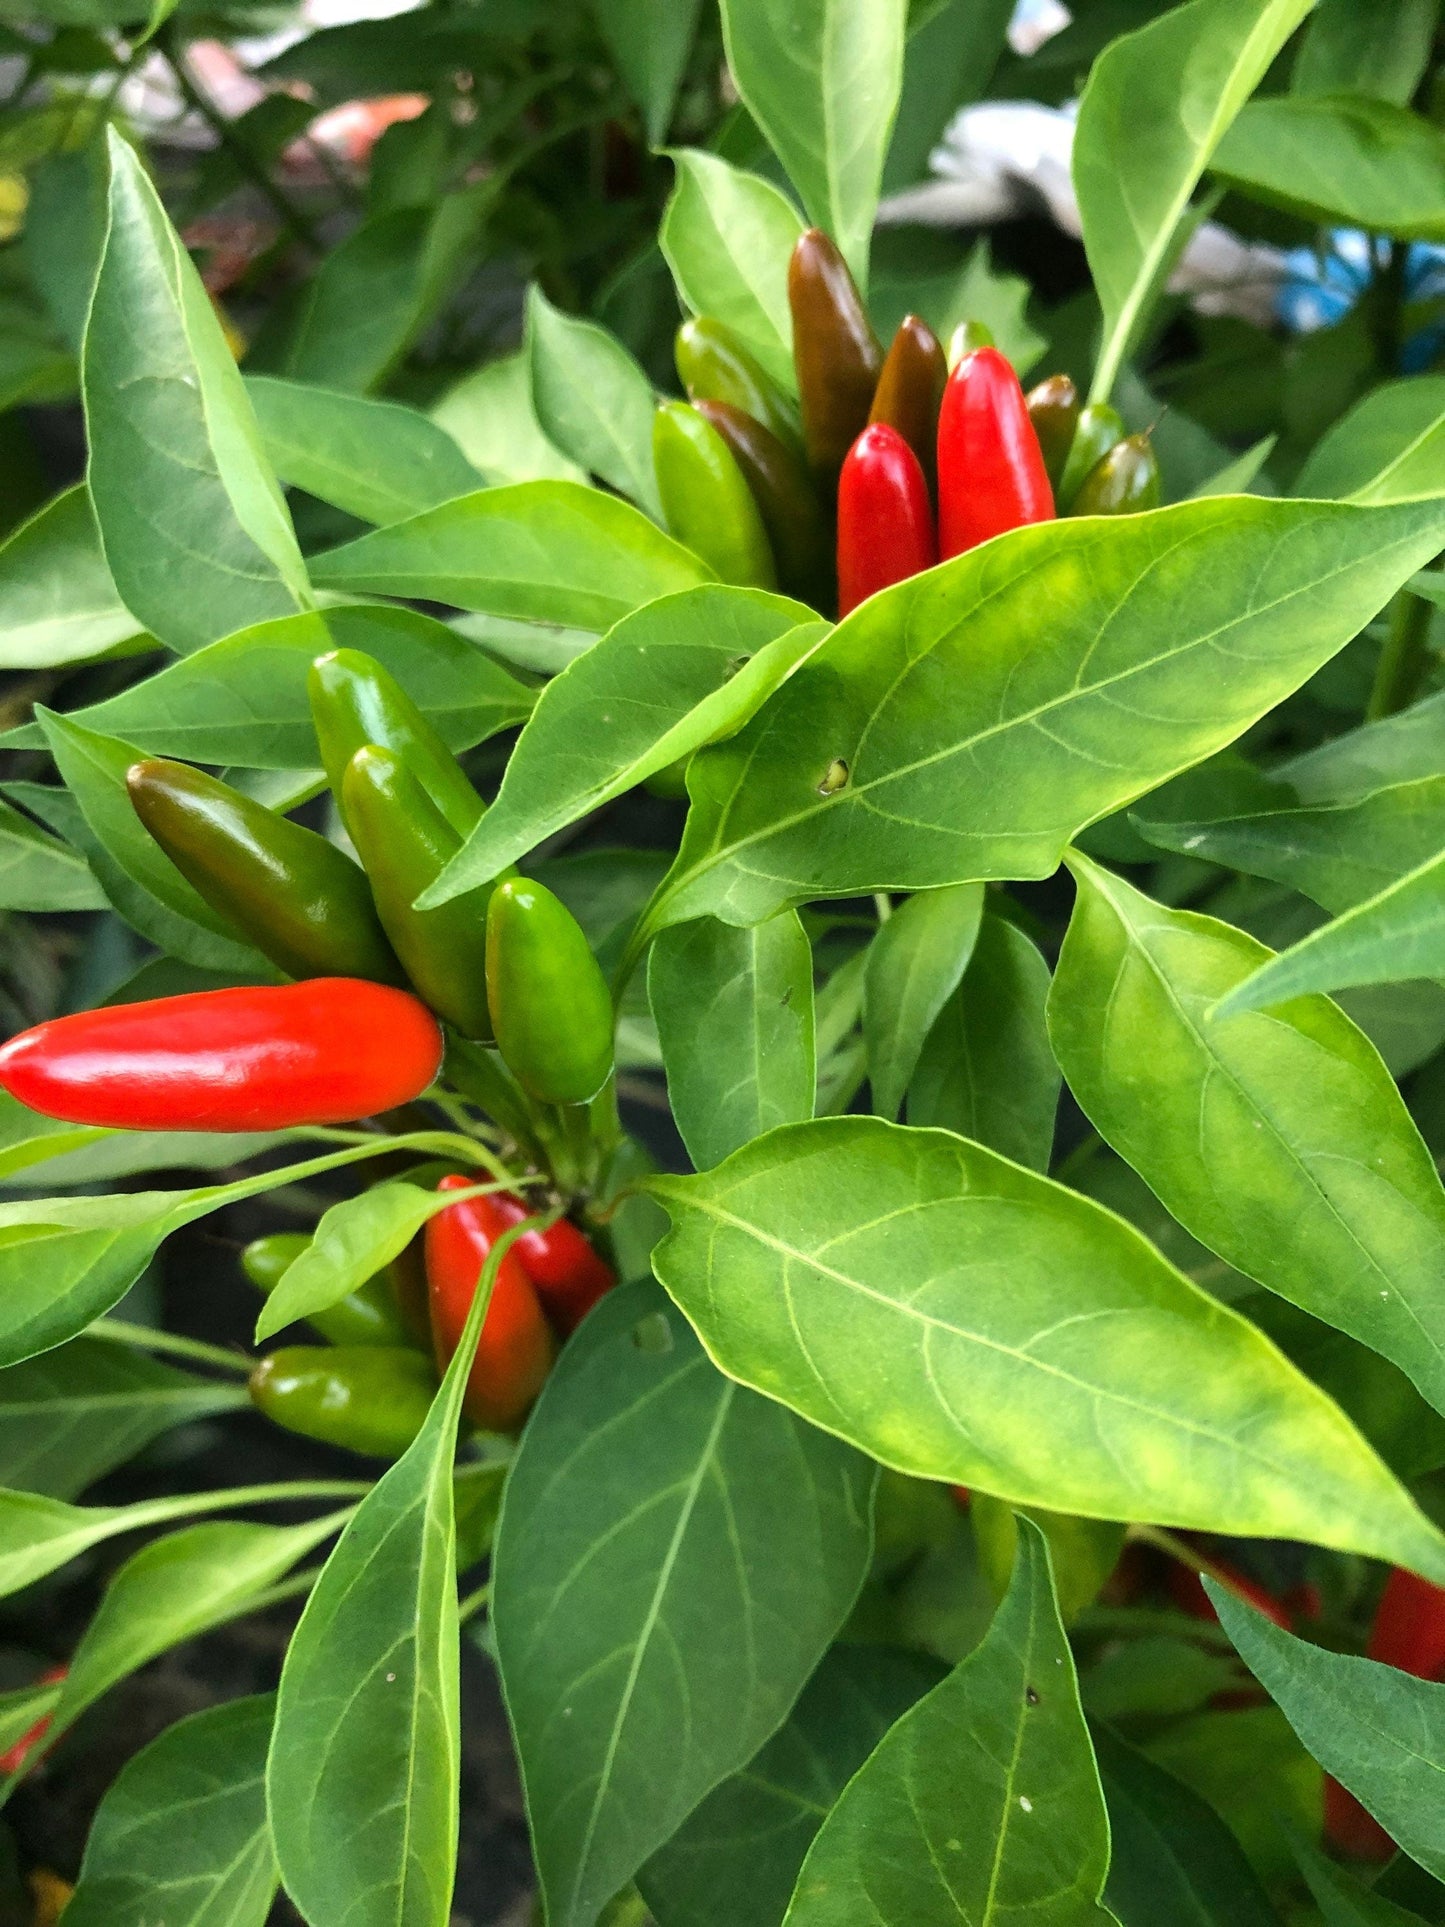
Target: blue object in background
(1319, 289)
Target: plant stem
(474, 1602)
(1403, 659)
(117, 1331)
(179, 1506)
(1180, 1550)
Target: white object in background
(1034, 23)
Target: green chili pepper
(910, 391)
(1054, 411)
(355, 701)
(405, 843)
(786, 497)
(369, 1315)
(835, 352)
(713, 365)
(1123, 482)
(966, 338)
(369, 1398)
(705, 501)
(1100, 426)
(549, 1001)
(294, 895)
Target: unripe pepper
(323, 1052)
(967, 338)
(885, 519)
(991, 475)
(714, 365)
(569, 1275)
(910, 391)
(516, 1348)
(1054, 411)
(835, 352)
(1099, 427)
(369, 1315)
(355, 701)
(1123, 482)
(549, 1000)
(705, 501)
(369, 1398)
(405, 843)
(302, 902)
(786, 497)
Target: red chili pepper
(885, 520)
(320, 1052)
(14, 1757)
(1188, 1593)
(991, 474)
(1409, 1628)
(516, 1347)
(569, 1275)
(1351, 1829)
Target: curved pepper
(405, 843)
(569, 1275)
(355, 701)
(1100, 426)
(910, 391)
(885, 519)
(302, 902)
(713, 365)
(369, 1315)
(835, 352)
(705, 501)
(550, 1002)
(1054, 411)
(990, 470)
(516, 1348)
(369, 1398)
(1123, 482)
(323, 1052)
(786, 498)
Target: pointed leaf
(39, 872)
(593, 400)
(728, 237)
(914, 965)
(1397, 749)
(1390, 447)
(58, 604)
(650, 40)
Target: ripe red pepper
(885, 520)
(1409, 1628)
(1351, 1829)
(14, 1757)
(991, 474)
(1189, 1595)
(568, 1274)
(321, 1052)
(516, 1348)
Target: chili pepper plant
(901, 1310)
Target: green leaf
(1341, 1901)
(192, 523)
(39, 872)
(915, 964)
(1381, 51)
(1341, 157)
(1397, 749)
(734, 1861)
(89, 1154)
(58, 604)
(728, 237)
(947, 63)
(183, 1827)
(1390, 447)
(375, 459)
(976, 291)
(543, 551)
(986, 1069)
(1281, 1142)
(38, 1535)
(650, 41)
(491, 417)
(967, 723)
(822, 82)
(1247, 1764)
(734, 1012)
(1378, 1731)
(1156, 106)
(354, 1240)
(678, 673)
(981, 1803)
(592, 399)
(962, 1319)
(1236, 476)
(74, 1414)
(674, 1556)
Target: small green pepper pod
(1125, 481)
(1100, 426)
(910, 392)
(368, 1398)
(786, 498)
(714, 365)
(369, 1315)
(355, 701)
(299, 899)
(835, 353)
(967, 338)
(705, 501)
(405, 843)
(1054, 411)
(549, 1000)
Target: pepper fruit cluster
(887, 463)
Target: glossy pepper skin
(405, 842)
(323, 1052)
(355, 701)
(550, 1002)
(369, 1315)
(1054, 411)
(369, 1398)
(885, 519)
(991, 475)
(786, 497)
(714, 365)
(910, 391)
(1099, 427)
(515, 1352)
(1122, 482)
(294, 895)
(705, 501)
(568, 1274)
(835, 352)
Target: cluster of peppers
(382, 993)
(886, 464)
